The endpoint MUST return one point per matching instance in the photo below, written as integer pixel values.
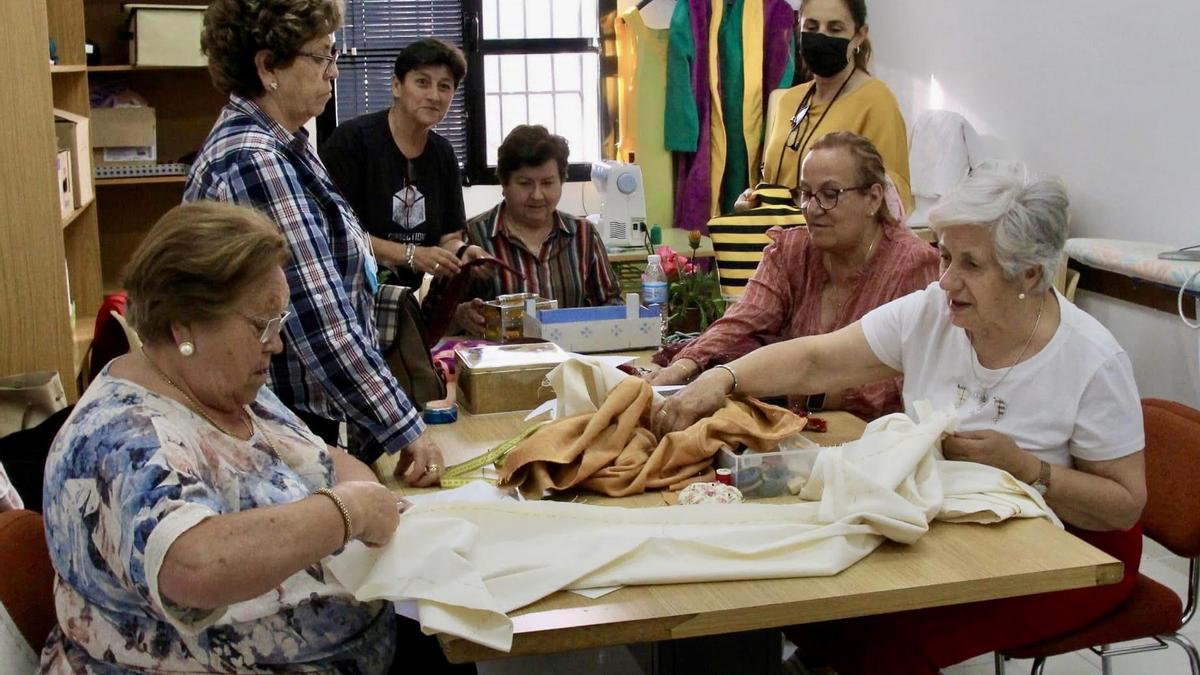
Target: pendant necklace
(985, 390)
(194, 405)
(837, 295)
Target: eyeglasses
(330, 59)
(827, 198)
(270, 328)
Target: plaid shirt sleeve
(324, 330)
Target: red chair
(27, 581)
(1153, 611)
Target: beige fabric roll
(469, 564)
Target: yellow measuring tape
(459, 474)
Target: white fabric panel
(468, 564)
(16, 656)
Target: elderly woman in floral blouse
(189, 514)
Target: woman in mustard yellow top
(842, 96)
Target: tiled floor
(1157, 563)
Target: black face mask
(824, 55)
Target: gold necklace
(195, 406)
(837, 295)
(985, 390)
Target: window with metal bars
(372, 34)
(529, 62)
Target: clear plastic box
(767, 474)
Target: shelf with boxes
(163, 66)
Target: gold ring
(432, 468)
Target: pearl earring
(187, 348)
(1020, 296)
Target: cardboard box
(66, 194)
(166, 35)
(597, 329)
(73, 133)
(124, 136)
(504, 378)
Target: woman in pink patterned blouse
(853, 256)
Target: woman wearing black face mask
(842, 96)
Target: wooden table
(951, 564)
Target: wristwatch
(1042, 484)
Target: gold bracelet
(341, 507)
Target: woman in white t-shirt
(1042, 391)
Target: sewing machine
(622, 216)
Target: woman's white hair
(1026, 213)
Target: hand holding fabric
(374, 510)
(745, 201)
(698, 400)
(988, 447)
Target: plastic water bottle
(654, 289)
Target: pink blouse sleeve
(755, 320)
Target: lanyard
(796, 139)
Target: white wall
(1100, 92)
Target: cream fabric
(468, 565)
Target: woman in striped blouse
(557, 255)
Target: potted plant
(693, 291)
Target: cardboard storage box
(597, 329)
(73, 133)
(124, 136)
(166, 35)
(66, 195)
(504, 378)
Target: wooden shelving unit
(73, 216)
(140, 180)
(94, 241)
(125, 68)
(39, 248)
(186, 105)
(84, 329)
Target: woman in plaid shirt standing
(277, 63)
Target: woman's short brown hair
(235, 30)
(867, 160)
(196, 261)
(431, 52)
(530, 145)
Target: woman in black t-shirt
(400, 176)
